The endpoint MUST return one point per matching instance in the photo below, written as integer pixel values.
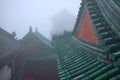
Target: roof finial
(30, 29)
(36, 30)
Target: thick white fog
(18, 15)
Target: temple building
(40, 63)
(11, 56)
(90, 52)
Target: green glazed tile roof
(75, 63)
(104, 16)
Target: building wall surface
(86, 32)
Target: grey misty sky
(18, 15)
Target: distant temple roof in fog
(37, 35)
(63, 21)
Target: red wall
(19, 62)
(86, 32)
(33, 48)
